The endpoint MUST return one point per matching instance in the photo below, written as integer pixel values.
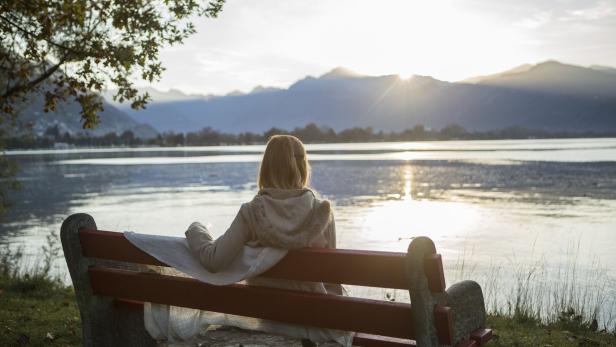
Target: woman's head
(284, 164)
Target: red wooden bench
(110, 289)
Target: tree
(356, 134)
(309, 133)
(273, 131)
(7, 181)
(75, 49)
(453, 131)
(53, 132)
(127, 138)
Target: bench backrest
(102, 266)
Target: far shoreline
(58, 138)
(259, 147)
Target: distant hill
(68, 120)
(555, 78)
(549, 96)
(515, 70)
(603, 68)
(160, 96)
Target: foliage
(77, 48)
(7, 181)
(534, 293)
(10, 261)
(51, 252)
(21, 276)
(35, 307)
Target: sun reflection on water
(408, 177)
(392, 223)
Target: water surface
(486, 204)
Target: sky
(277, 42)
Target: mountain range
(67, 119)
(549, 96)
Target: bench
(110, 290)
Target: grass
(509, 331)
(538, 292)
(36, 311)
(36, 308)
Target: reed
(567, 294)
(31, 274)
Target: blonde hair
(284, 164)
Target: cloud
(275, 43)
(535, 21)
(598, 11)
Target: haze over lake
(488, 204)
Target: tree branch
(33, 83)
(16, 26)
(21, 87)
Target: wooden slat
(113, 246)
(360, 339)
(481, 336)
(128, 304)
(433, 268)
(362, 268)
(367, 340)
(443, 320)
(319, 310)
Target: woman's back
(280, 218)
(290, 219)
(285, 213)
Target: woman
(285, 213)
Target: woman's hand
(197, 235)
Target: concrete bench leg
(423, 300)
(103, 324)
(469, 313)
(461, 307)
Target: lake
(495, 209)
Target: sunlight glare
(396, 221)
(408, 178)
(411, 38)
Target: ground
(36, 312)
(510, 332)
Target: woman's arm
(216, 255)
(331, 233)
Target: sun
(434, 38)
